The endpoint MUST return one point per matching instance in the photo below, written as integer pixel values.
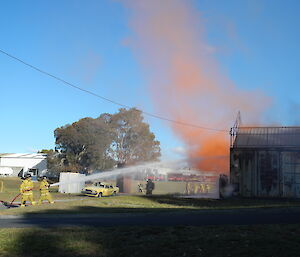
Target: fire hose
(14, 199)
(7, 204)
(10, 205)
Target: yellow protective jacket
(26, 187)
(44, 186)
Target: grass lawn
(143, 241)
(129, 203)
(256, 241)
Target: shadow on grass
(258, 241)
(223, 203)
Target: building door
(291, 174)
(268, 173)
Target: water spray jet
(205, 184)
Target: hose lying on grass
(9, 205)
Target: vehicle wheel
(114, 193)
(99, 195)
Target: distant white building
(19, 164)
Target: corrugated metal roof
(25, 155)
(267, 137)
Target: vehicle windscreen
(99, 185)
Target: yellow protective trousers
(26, 191)
(27, 197)
(45, 195)
(44, 192)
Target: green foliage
(133, 142)
(101, 143)
(45, 151)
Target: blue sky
(84, 42)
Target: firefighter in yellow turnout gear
(44, 191)
(26, 190)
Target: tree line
(111, 140)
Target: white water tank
(70, 182)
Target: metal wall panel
(291, 173)
(243, 172)
(247, 170)
(266, 172)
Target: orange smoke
(185, 80)
(213, 154)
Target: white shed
(70, 182)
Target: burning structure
(265, 161)
(172, 180)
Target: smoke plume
(185, 80)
